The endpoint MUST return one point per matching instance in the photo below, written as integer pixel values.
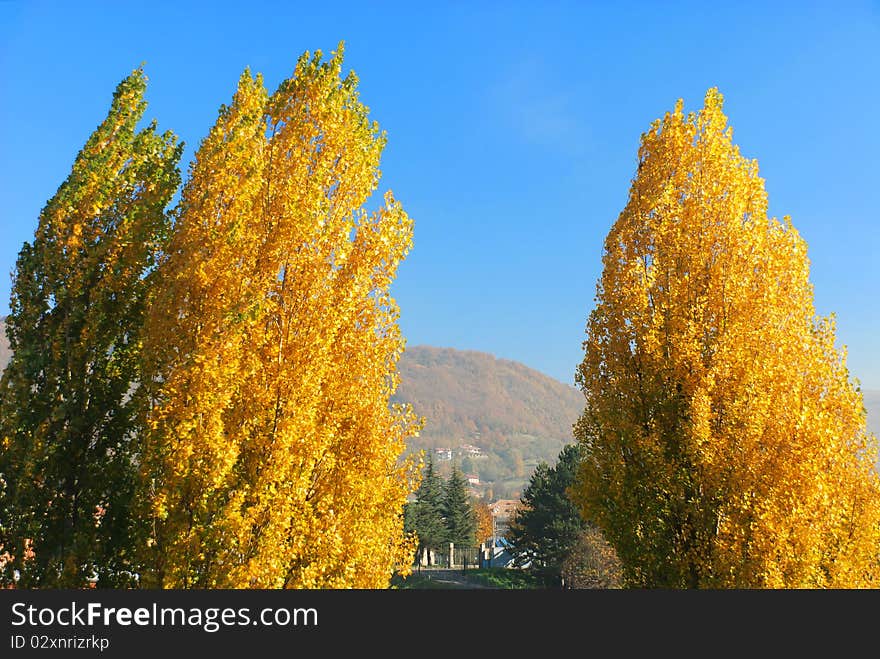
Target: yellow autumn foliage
(273, 456)
(725, 443)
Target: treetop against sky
(512, 134)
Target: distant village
(444, 454)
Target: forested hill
(466, 394)
(515, 415)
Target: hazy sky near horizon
(512, 133)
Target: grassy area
(499, 577)
(507, 579)
(417, 581)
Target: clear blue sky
(512, 127)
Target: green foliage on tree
(461, 520)
(547, 525)
(424, 516)
(443, 511)
(66, 413)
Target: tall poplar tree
(273, 457)
(724, 442)
(67, 459)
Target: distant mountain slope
(512, 415)
(464, 394)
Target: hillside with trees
(496, 418)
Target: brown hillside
(514, 415)
(466, 395)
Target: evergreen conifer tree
(461, 521)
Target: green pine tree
(461, 520)
(547, 525)
(424, 516)
(66, 407)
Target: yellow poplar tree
(272, 456)
(725, 443)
